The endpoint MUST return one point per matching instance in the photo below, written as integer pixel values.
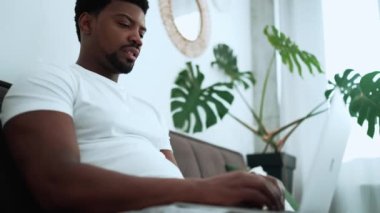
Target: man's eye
(123, 24)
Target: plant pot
(279, 165)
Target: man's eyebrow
(130, 19)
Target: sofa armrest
(197, 158)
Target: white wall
(34, 31)
(43, 31)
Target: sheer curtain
(302, 21)
(342, 34)
(352, 40)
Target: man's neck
(99, 69)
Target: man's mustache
(134, 45)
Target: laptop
(321, 181)
(322, 178)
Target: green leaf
(290, 54)
(195, 108)
(291, 200)
(328, 93)
(362, 94)
(231, 168)
(226, 61)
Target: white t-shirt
(114, 130)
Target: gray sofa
(14, 197)
(195, 158)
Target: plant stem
(266, 148)
(310, 114)
(256, 132)
(245, 125)
(271, 143)
(190, 66)
(255, 116)
(297, 123)
(283, 140)
(263, 92)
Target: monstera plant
(196, 107)
(362, 95)
(190, 99)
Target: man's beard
(118, 65)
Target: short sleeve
(164, 142)
(52, 88)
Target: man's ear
(85, 23)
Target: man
(83, 144)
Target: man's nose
(136, 39)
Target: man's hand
(243, 189)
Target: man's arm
(44, 146)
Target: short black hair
(95, 6)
